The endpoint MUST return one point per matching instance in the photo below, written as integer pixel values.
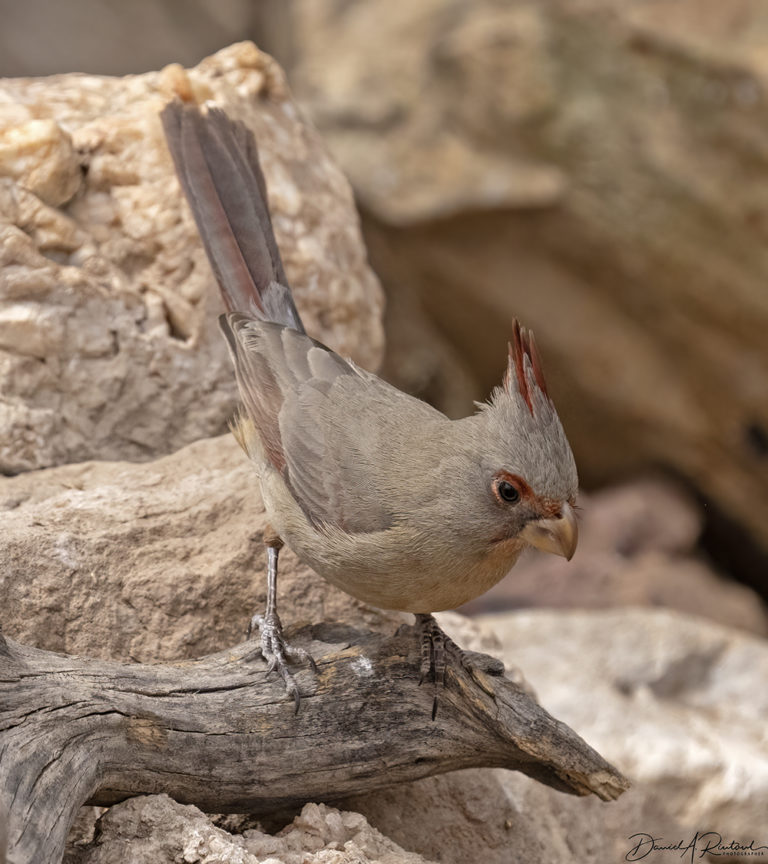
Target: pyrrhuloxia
(375, 490)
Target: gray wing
(326, 425)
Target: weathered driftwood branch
(218, 733)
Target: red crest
(524, 345)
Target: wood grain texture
(219, 733)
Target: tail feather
(218, 167)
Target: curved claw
(276, 652)
(302, 654)
(291, 688)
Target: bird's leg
(436, 649)
(435, 646)
(274, 648)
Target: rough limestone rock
(108, 340)
(637, 547)
(493, 817)
(594, 168)
(157, 830)
(499, 817)
(676, 702)
(149, 561)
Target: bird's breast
(404, 567)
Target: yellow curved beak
(558, 536)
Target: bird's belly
(406, 588)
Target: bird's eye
(508, 492)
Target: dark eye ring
(508, 492)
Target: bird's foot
(276, 651)
(438, 650)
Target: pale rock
(109, 346)
(501, 817)
(155, 830)
(419, 164)
(40, 156)
(675, 702)
(151, 561)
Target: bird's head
(528, 474)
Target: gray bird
(375, 490)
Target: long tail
(217, 163)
